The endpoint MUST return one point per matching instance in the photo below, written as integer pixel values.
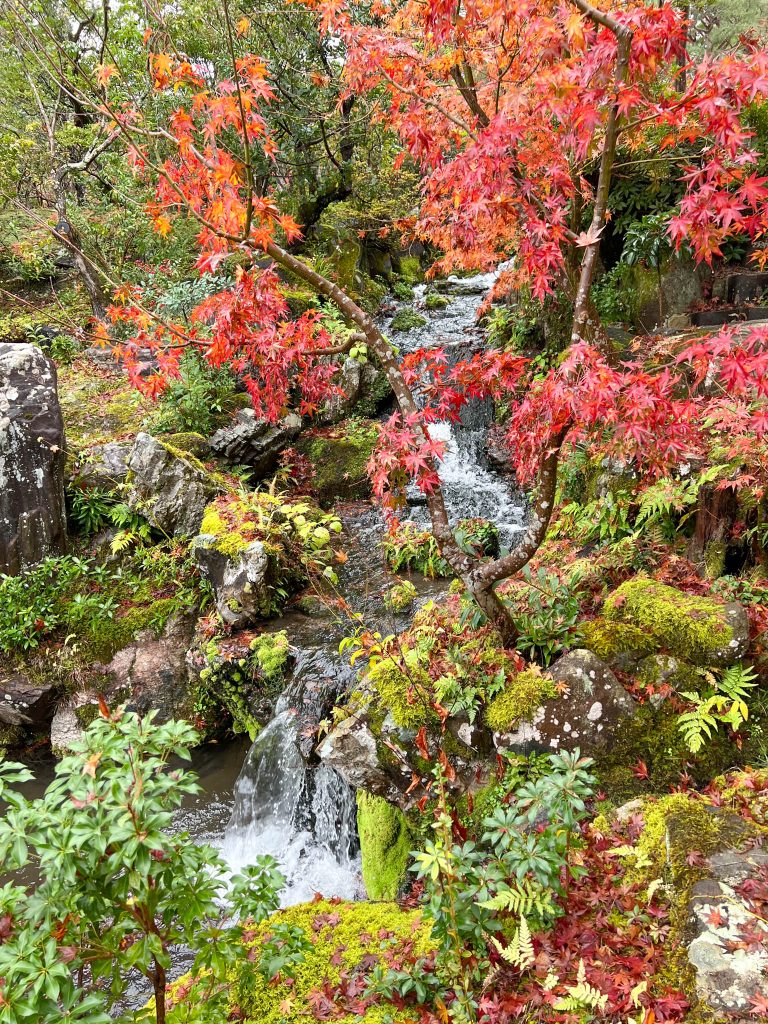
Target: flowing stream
(303, 814)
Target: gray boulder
(252, 442)
(32, 455)
(240, 581)
(170, 487)
(106, 465)
(590, 707)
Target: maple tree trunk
(717, 513)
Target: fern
(723, 703)
(519, 952)
(581, 996)
(526, 899)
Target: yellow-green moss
(607, 639)
(385, 845)
(343, 935)
(406, 320)
(519, 700)
(435, 300)
(189, 443)
(407, 694)
(99, 638)
(692, 627)
(228, 541)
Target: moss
(406, 694)
(100, 638)
(385, 845)
(608, 639)
(400, 598)
(658, 669)
(271, 652)
(343, 938)
(411, 270)
(188, 443)
(435, 300)
(340, 459)
(228, 541)
(518, 702)
(376, 395)
(714, 559)
(300, 300)
(693, 628)
(406, 320)
(10, 737)
(652, 735)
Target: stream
(266, 799)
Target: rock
(240, 580)
(169, 486)
(679, 322)
(105, 466)
(699, 630)
(32, 455)
(340, 461)
(151, 674)
(730, 973)
(589, 707)
(70, 721)
(23, 702)
(256, 443)
(351, 383)
(352, 750)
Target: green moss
(518, 702)
(375, 397)
(300, 300)
(714, 559)
(406, 694)
(228, 541)
(400, 598)
(189, 443)
(340, 459)
(343, 937)
(659, 669)
(100, 638)
(403, 291)
(411, 270)
(652, 735)
(385, 845)
(271, 652)
(435, 300)
(406, 320)
(608, 639)
(694, 628)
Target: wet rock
(32, 455)
(70, 721)
(240, 579)
(730, 973)
(151, 673)
(253, 442)
(23, 702)
(590, 706)
(352, 750)
(169, 486)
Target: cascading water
(471, 488)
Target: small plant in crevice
(400, 597)
(199, 399)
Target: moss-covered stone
(694, 628)
(435, 300)
(518, 702)
(406, 320)
(339, 458)
(188, 443)
(406, 692)
(343, 938)
(385, 845)
(608, 639)
(400, 597)
(411, 270)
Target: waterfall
(304, 817)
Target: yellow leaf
(243, 26)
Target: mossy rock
(339, 458)
(435, 300)
(411, 270)
(385, 845)
(344, 938)
(615, 641)
(699, 630)
(662, 669)
(519, 701)
(189, 443)
(406, 694)
(406, 320)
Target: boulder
(699, 630)
(589, 706)
(339, 458)
(151, 673)
(70, 720)
(169, 486)
(240, 579)
(106, 465)
(253, 442)
(32, 455)
(23, 702)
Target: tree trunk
(159, 984)
(717, 514)
(65, 232)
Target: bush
(115, 887)
(200, 399)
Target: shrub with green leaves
(111, 888)
(408, 546)
(200, 399)
(545, 611)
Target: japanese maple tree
(513, 112)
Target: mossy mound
(188, 443)
(404, 689)
(435, 300)
(385, 845)
(346, 939)
(406, 320)
(695, 629)
(339, 458)
(609, 639)
(518, 702)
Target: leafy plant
(545, 611)
(723, 702)
(116, 887)
(198, 399)
(408, 546)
